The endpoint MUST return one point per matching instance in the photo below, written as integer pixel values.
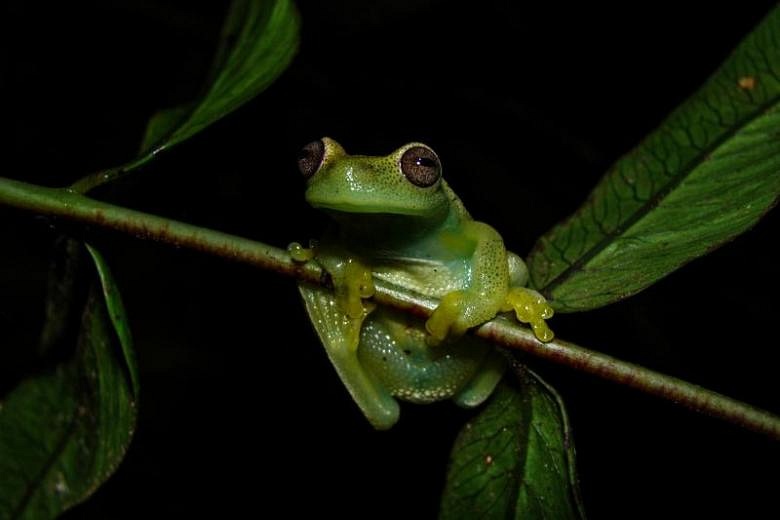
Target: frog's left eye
(421, 166)
(310, 158)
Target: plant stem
(92, 181)
(70, 205)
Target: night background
(527, 106)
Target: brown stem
(70, 205)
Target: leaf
(515, 460)
(63, 302)
(709, 173)
(64, 432)
(259, 39)
(162, 124)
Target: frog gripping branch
(402, 238)
(398, 220)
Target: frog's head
(406, 183)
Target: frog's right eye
(310, 158)
(421, 166)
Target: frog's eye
(310, 158)
(421, 166)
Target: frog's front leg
(354, 283)
(495, 285)
(487, 285)
(532, 308)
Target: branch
(68, 204)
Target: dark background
(526, 104)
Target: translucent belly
(394, 350)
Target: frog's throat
(385, 230)
(356, 210)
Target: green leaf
(259, 39)
(515, 459)
(63, 433)
(709, 173)
(162, 124)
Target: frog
(395, 219)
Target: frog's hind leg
(483, 383)
(518, 272)
(340, 335)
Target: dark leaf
(63, 433)
(162, 124)
(64, 296)
(515, 459)
(259, 39)
(710, 172)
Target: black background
(526, 104)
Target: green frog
(398, 221)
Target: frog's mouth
(358, 197)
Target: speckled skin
(420, 238)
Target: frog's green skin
(423, 239)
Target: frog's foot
(449, 318)
(530, 307)
(354, 283)
(299, 253)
